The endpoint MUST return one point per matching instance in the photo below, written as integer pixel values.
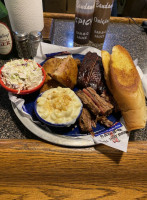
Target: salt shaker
(35, 37)
(22, 45)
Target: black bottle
(7, 44)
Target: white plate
(59, 139)
(81, 141)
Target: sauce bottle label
(5, 39)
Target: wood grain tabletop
(31, 169)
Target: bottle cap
(35, 36)
(21, 36)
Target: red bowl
(23, 92)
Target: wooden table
(33, 169)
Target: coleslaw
(22, 74)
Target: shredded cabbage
(21, 74)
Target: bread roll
(125, 85)
(106, 64)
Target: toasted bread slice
(106, 64)
(123, 70)
(127, 88)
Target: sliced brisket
(109, 98)
(96, 106)
(105, 121)
(87, 102)
(85, 121)
(104, 106)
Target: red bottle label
(5, 39)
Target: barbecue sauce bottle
(7, 43)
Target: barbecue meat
(96, 108)
(86, 68)
(85, 121)
(97, 81)
(104, 106)
(66, 73)
(105, 121)
(94, 93)
(91, 73)
(60, 72)
(109, 98)
(88, 103)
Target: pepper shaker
(35, 37)
(22, 45)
